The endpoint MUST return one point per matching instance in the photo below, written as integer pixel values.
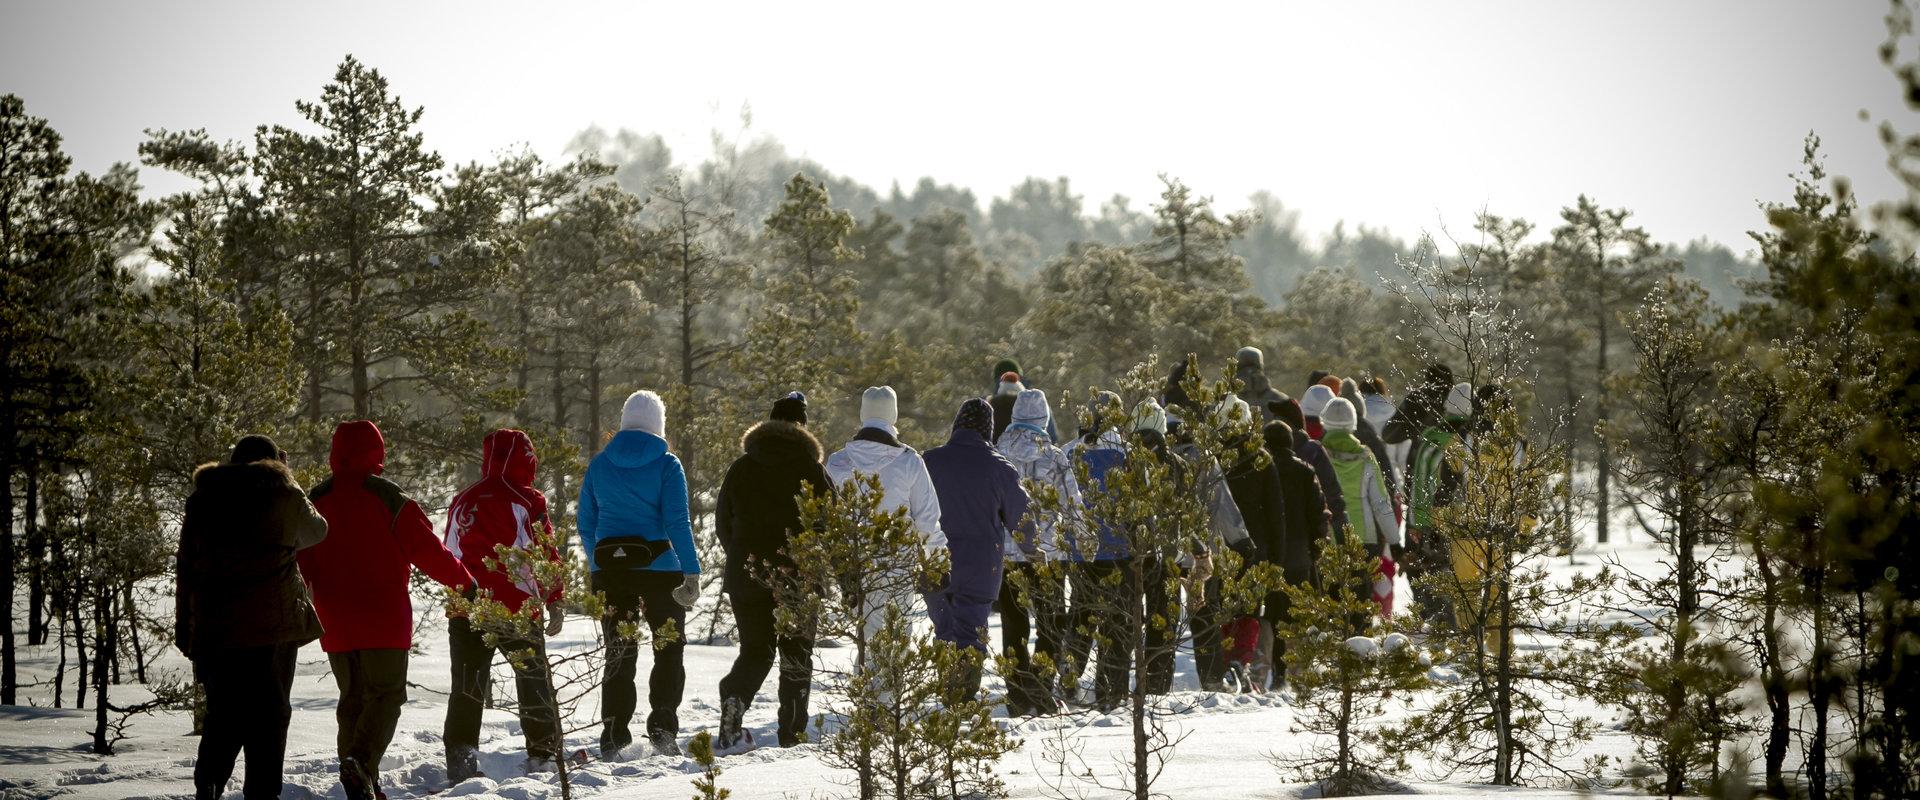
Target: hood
(508, 454)
(358, 449)
(777, 442)
(634, 448)
(251, 477)
(869, 456)
(1023, 445)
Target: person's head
(508, 454)
(1287, 410)
(792, 408)
(358, 449)
(1103, 408)
(1331, 382)
(1315, 400)
(1233, 412)
(1149, 416)
(1436, 376)
(1315, 376)
(1004, 366)
(1031, 408)
(644, 412)
(879, 407)
(1340, 415)
(1460, 401)
(1375, 385)
(1350, 389)
(1279, 437)
(1250, 357)
(975, 415)
(1009, 383)
(255, 447)
(1175, 393)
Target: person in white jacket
(904, 483)
(1041, 463)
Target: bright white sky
(1403, 115)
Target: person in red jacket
(502, 508)
(359, 579)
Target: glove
(556, 617)
(688, 592)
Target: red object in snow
(1383, 582)
(1244, 633)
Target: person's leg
(1118, 630)
(349, 676)
(539, 717)
(967, 620)
(669, 679)
(384, 676)
(1014, 630)
(269, 685)
(472, 660)
(754, 621)
(796, 684)
(617, 692)
(1278, 607)
(1162, 603)
(222, 734)
(1081, 627)
(1050, 619)
(1209, 660)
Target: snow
(1227, 750)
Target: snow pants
(373, 686)
(472, 668)
(759, 643)
(1108, 616)
(1039, 605)
(247, 709)
(648, 595)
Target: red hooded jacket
(502, 508)
(358, 575)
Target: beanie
(255, 447)
(1149, 416)
(1350, 389)
(1234, 411)
(1460, 401)
(1331, 382)
(1287, 410)
(879, 407)
(1031, 407)
(1250, 357)
(1279, 438)
(1004, 366)
(643, 411)
(792, 408)
(1339, 415)
(975, 415)
(1315, 400)
(1010, 383)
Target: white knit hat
(1013, 386)
(1149, 416)
(1313, 403)
(879, 407)
(1460, 400)
(1234, 411)
(1339, 415)
(1031, 406)
(644, 412)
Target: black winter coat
(1256, 491)
(237, 582)
(758, 505)
(1305, 520)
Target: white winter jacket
(903, 480)
(1041, 462)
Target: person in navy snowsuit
(981, 501)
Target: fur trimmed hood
(223, 476)
(775, 441)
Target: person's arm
(1380, 505)
(924, 505)
(586, 517)
(723, 515)
(300, 522)
(425, 551)
(185, 583)
(675, 516)
(1330, 485)
(1014, 504)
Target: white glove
(688, 592)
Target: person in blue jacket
(638, 538)
(981, 501)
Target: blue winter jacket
(635, 488)
(981, 500)
(1101, 458)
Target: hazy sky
(1404, 115)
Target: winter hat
(1460, 401)
(1350, 389)
(255, 447)
(1176, 391)
(792, 408)
(1331, 382)
(1149, 416)
(1004, 366)
(1010, 383)
(975, 415)
(879, 407)
(643, 411)
(1234, 411)
(1250, 357)
(1339, 415)
(1314, 402)
(1287, 410)
(1031, 408)
(1279, 438)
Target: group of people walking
(265, 568)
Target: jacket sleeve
(1013, 501)
(1228, 524)
(300, 522)
(674, 514)
(723, 515)
(1380, 506)
(414, 533)
(185, 584)
(1330, 485)
(924, 506)
(557, 591)
(586, 516)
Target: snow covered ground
(1230, 738)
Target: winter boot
(732, 711)
(663, 742)
(355, 780)
(462, 765)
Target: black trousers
(373, 686)
(472, 663)
(1209, 655)
(1107, 615)
(648, 595)
(247, 709)
(1042, 606)
(1163, 636)
(1277, 611)
(759, 643)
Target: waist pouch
(628, 552)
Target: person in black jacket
(1304, 522)
(1255, 485)
(241, 610)
(757, 510)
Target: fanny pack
(628, 552)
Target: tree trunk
(132, 614)
(1605, 454)
(594, 388)
(36, 563)
(559, 389)
(1503, 676)
(104, 648)
(9, 678)
(80, 663)
(1773, 676)
(1686, 602)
